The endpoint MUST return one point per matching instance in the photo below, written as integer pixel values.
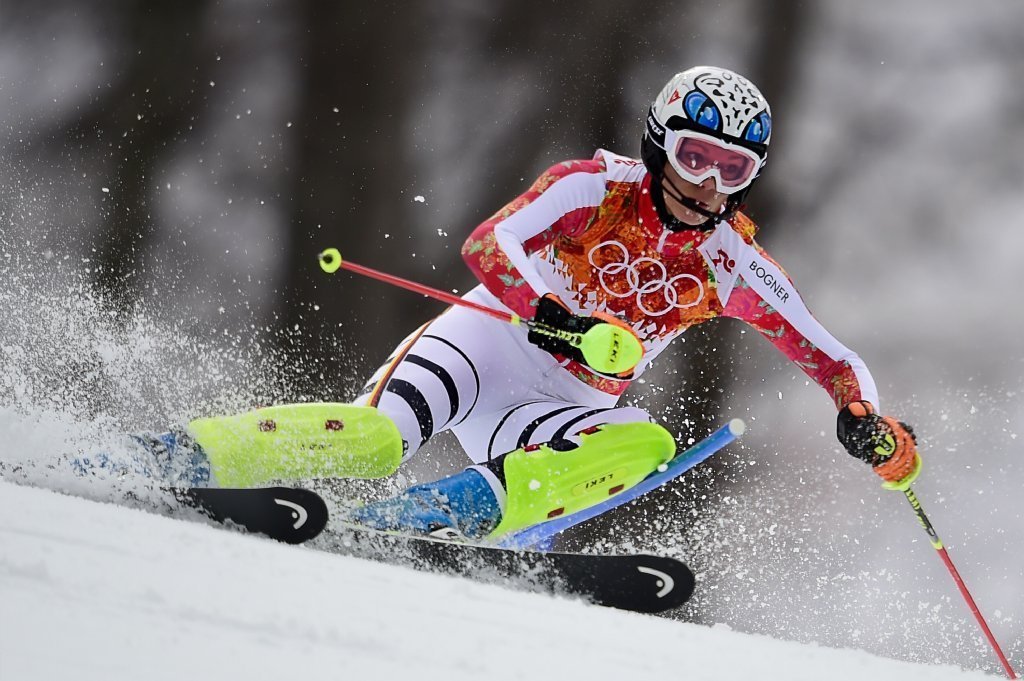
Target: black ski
(288, 515)
(641, 583)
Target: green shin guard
(544, 483)
(299, 442)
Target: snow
(97, 591)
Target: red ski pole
(331, 262)
(937, 543)
(606, 347)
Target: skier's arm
(767, 300)
(562, 201)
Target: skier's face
(705, 193)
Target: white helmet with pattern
(707, 122)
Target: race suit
(587, 232)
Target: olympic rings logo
(658, 283)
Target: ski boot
(172, 458)
(536, 483)
(461, 506)
(299, 442)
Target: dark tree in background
(357, 69)
(156, 95)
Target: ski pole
(606, 347)
(937, 543)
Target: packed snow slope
(96, 591)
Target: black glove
(890, 446)
(553, 314)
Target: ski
(640, 583)
(289, 515)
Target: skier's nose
(709, 186)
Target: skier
(655, 246)
(659, 244)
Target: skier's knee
(626, 415)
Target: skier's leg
(547, 406)
(568, 457)
(586, 456)
(299, 442)
(449, 371)
(462, 504)
(286, 442)
(424, 376)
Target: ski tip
(737, 427)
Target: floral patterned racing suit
(587, 232)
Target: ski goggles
(696, 157)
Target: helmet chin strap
(673, 191)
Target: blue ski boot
(172, 458)
(463, 505)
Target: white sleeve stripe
(572, 192)
(775, 289)
(868, 390)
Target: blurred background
(169, 171)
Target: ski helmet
(706, 109)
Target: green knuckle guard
(299, 442)
(603, 346)
(544, 483)
(610, 349)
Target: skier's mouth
(701, 198)
(703, 205)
